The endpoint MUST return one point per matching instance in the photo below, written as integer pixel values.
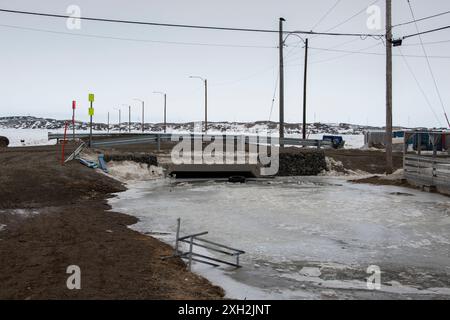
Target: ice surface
(288, 224)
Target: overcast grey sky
(41, 72)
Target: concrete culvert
(4, 142)
(237, 179)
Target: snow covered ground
(31, 137)
(306, 237)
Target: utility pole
(281, 41)
(108, 122)
(389, 163)
(129, 119)
(304, 89)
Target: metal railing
(194, 240)
(156, 138)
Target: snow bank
(126, 171)
(336, 168)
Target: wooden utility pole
(281, 41)
(304, 89)
(389, 163)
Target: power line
(429, 64)
(345, 55)
(421, 19)
(420, 87)
(377, 53)
(425, 32)
(253, 75)
(351, 17)
(425, 43)
(326, 14)
(187, 26)
(274, 95)
(135, 39)
(332, 47)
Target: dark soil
(365, 160)
(57, 216)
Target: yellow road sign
(91, 97)
(91, 111)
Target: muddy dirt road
(53, 216)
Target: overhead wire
(429, 65)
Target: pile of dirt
(301, 162)
(370, 161)
(4, 142)
(139, 157)
(54, 216)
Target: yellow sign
(91, 97)
(91, 111)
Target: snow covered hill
(29, 122)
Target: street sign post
(91, 114)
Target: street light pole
(206, 99)
(143, 107)
(129, 119)
(108, 122)
(118, 109)
(165, 113)
(165, 108)
(143, 121)
(305, 77)
(206, 105)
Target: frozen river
(308, 237)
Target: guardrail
(138, 138)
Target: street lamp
(165, 105)
(129, 116)
(206, 99)
(305, 41)
(120, 111)
(143, 107)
